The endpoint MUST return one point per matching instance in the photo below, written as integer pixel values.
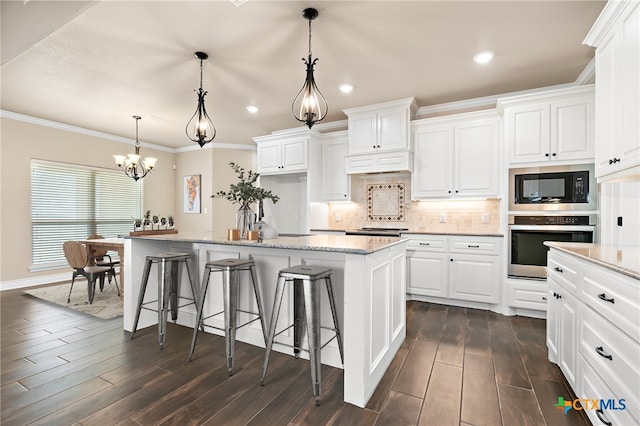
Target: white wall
(620, 199)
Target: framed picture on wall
(191, 191)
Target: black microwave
(553, 188)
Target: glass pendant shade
(309, 106)
(132, 164)
(200, 128)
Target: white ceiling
(95, 64)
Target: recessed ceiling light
(345, 88)
(252, 109)
(483, 57)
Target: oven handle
(551, 228)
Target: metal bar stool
(230, 269)
(168, 289)
(306, 306)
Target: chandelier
(309, 106)
(133, 166)
(200, 128)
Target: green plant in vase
(245, 192)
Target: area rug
(106, 304)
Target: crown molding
(107, 136)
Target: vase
(244, 220)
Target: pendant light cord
(309, 37)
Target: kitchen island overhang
(369, 280)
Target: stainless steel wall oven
(528, 254)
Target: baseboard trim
(31, 282)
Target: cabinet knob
(603, 296)
(451, 260)
(616, 160)
(544, 298)
(600, 351)
(553, 155)
(547, 154)
(374, 147)
(456, 191)
(449, 192)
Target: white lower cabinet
(562, 328)
(463, 268)
(593, 336)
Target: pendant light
(200, 128)
(132, 165)
(309, 106)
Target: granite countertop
(453, 234)
(472, 234)
(622, 259)
(350, 244)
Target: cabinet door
(432, 162)
(474, 277)
(476, 159)
(553, 308)
(294, 155)
(363, 133)
(427, 273)
(572, 122)
(269, 157)
(567, 335)
(335, 181)
(527, 133)
(392, 129)
(629, 142)
(605, 108)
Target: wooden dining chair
(101, 258)
(78, 259)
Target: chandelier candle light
(133, 166)
(200, 128)
(309, 106)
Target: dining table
(112, 244)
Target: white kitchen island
(368, 281)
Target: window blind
(70, 202)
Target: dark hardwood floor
(457, 367)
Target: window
(70, 202)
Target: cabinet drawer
(609, 294)
(479, 246)
(528, 296)
(565, 269)
(611, 353)
(592, 386)
(428, 244)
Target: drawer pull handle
(544, 298)
(603, 296)
(424, 244)
(473, 246)
(603, 354)
(557, 269)
(601, 417)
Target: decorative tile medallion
(385, 202)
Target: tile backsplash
(472, 216)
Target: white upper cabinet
(278, 154)
(456, 156)
(554, 126)
(616, 37)
(380, 127)
(334, 179)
